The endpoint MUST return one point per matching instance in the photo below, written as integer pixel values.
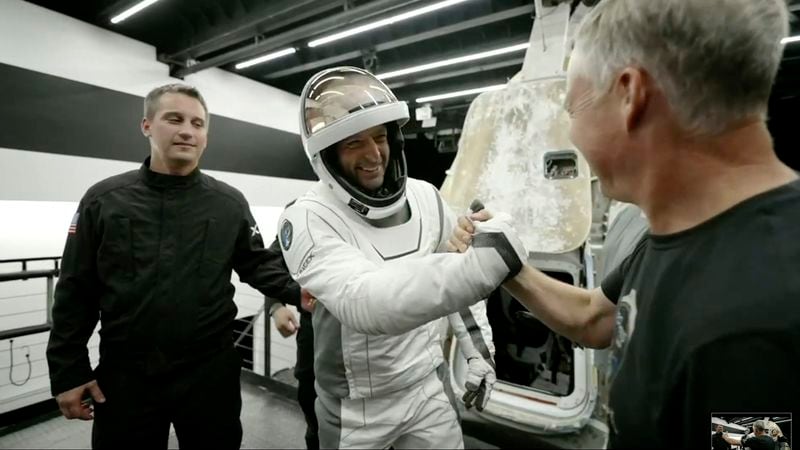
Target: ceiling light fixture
(384, 22)
(132, 10)
(265, 58)
(433, 98)
(452, 61)
(790, 39)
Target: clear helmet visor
(341, 102)
(335, 94)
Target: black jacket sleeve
(262, 268)
(75, 308)
(293, 299)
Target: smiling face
(611, 126)
(178, 133)
(364, 156)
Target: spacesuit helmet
(340, 102)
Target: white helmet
(338, 103)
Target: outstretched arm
(583, 316)
(398, 295)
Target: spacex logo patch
(286, 235)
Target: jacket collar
(160, 180)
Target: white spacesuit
(370, 258)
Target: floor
(270, 420)
(284, 428)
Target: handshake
(498, 249)
(493, 245)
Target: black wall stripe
(46, 113)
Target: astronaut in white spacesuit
(366, 241)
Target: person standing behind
(781, 442)
(150, 253)
(287, 325)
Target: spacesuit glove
(480, 382)
(499, 248)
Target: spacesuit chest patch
(286, 234)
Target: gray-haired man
(668, 103)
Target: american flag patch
(73, 225)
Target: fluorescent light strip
(265, 58)
(451, 61)
(132, 10)
(433, 98)
(384, 22)
(790, 39)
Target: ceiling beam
(337, 21)
(432, 34)
(271, 17)
(457, 73)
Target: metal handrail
(249, 327)
(25, 274)
(25, 261)
(50, 274)
(38, 258)
(24, 331)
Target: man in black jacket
(286, 323)
(718, 441)
(150, 253)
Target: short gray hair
(715, 60)
(760, 425)
(151, 101)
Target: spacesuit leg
(436, 423)
(363, 423)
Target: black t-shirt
(718, 443)
(708, 320)
(762, 442)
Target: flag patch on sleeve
(73, 225)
